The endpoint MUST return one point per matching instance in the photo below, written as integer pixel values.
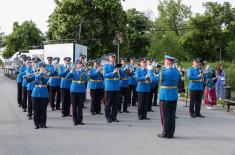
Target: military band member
(196, 77)
(168, 81)
(19, 79)
(40, 97)
(153, 86)
(143, 88)
(112, 89)
(156, 72)
(124, 71)
(24, 85)
(54, 83)
(96, 86)
(82, 58)
(77, 91)
(30, 79)
(132, 82)
(65, 87)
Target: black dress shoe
(57, 108)
(37, 127)
(63, 115)
(99, 113)
(75, 124)
(192, 115)
(146, 118)
(140, 118)
(44, 126)
(109, 121)
(151, 110)
(126, 111)
(19, 105)
(134, 105)
(30, 117)
(162, 136)
(199, 115)
(81, 123)
(69, 115)
(24, 110)
(93, 113)
(115, 120)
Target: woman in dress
(220, 74)
(210, 90)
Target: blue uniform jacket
(112, 80)
(143, 85)
(132, 80)
(19, 77)
(78, 84)
(124, 78)
(29, 70)
(38, 91)
(54, 80)
(168, 80)
(96, 79)
(31, 80)
(195, 81)
(63, 72)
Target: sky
(39, 10)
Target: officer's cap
(111, 55)
(67, 59)
(143, 59)
(170, 58)
(49, 58)
(56, 58)
(196, 60)
(82, 56)
(123, 59)
(40, 64)
(36, 59)
(132, 58)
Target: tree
(137, 33)
(93, 23)
(22, 37)
(167, 43)
(210, 32)
(173, 15)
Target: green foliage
(23, 36)
(230, 50)
(97, 20)
(173, 15)
(137, 33)
(210, 32)
(167, 43)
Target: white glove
(150, 67)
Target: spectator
(220, 74)
(210, 91)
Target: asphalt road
(213, 135)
